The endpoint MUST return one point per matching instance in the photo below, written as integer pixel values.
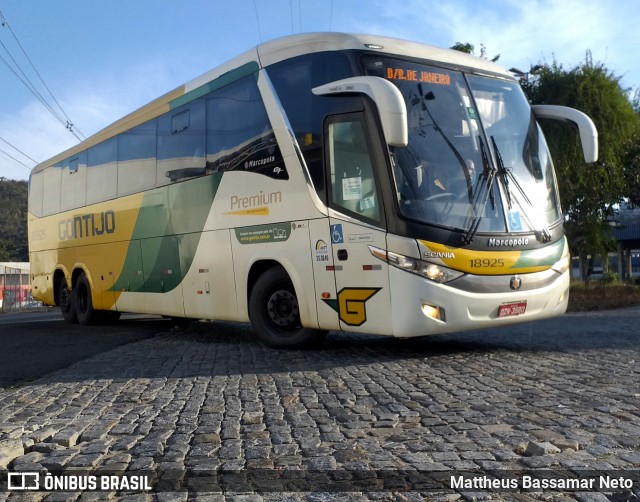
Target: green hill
(13, 220)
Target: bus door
(356, 222)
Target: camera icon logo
(23, 481)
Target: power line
(291, 12)
(18, 150)
(17, 71)
(19, 162)
(255, 9)
(331, 16)
(63, 118)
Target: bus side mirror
(391, 106)
(586, 127)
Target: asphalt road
(33, 344)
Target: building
(15, 286)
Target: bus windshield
(476, 159)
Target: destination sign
(428, 77)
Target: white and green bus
(317, 182)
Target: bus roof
(274, 51)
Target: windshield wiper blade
(505, 175)
(480, 196)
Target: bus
(317, 182)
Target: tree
(632, 162)
(470, 49)
(632, 170)
(589, 193)
(13, 220)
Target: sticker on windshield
(352, 188)
(515, 223)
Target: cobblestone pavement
(561, 394)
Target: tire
(83, 301)
(275, 315)
(67, 303)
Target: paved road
(366, 418)
(33, 344)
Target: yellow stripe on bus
(498, 262)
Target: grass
(602, 297)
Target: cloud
(524, 33)
(92, 104)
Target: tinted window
(351, 173)
(137, 159)
(102, 171)
(181, 132)
(293, 80)
(73, 182)
(239, 134)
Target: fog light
(432, 312)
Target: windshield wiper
(463, 165)
(481, 195)
(505, 175)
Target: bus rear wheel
(275, 313)
(83, 301)
(66, 302)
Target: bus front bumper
(422, 307)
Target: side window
(74, 181)
(351, 174)
(102, 171)
(52, 187)
(293, 80)
(137, 159)
(36, 193)
(239, 134)
(181, 142)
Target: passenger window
(102, 171)
(137, 159)
(181, 142)
(239, 134)
(73, 182)
(353, 184)
(293, 80)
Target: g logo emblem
(350, 304)
(515, 283)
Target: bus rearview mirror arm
(586, 127)
(389, 100)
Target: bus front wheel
(83, 301)
(275, 313)
(66, 302)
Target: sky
(104, 59)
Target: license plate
(511, 309)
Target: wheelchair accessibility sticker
(336, 234)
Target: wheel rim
(282, 310)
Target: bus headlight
(562, 265)
(431, 271)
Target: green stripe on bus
(221, 81)
(166, 235)
(545, 256)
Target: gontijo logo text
(87, 225)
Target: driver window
(353, 185)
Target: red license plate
(511, 309)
